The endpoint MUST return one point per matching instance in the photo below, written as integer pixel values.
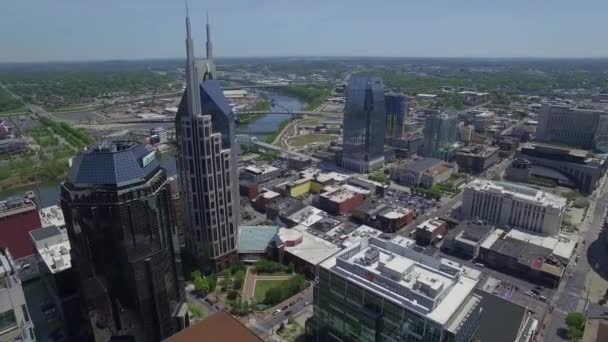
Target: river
(48, 193)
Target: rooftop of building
(53, 246)
(287, 205)
(511, 322)
(339, 195)
(349, 233)
(483, 151)
(16, 205)
(421, 164)
(113, 163)
(260, 169)
(474, 232)
(308, 216)
(435, 288)
(312, 248)
(431, 224)
(255, 239)
(554, 149)
(519, 192)
(219, 326)
(52, 216)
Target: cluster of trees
(203, 284)
(576, 325)
(454, 101)
(269, 266)
(75, 137)
(7, 102)
(270, 138)
(241, 307)
(313, 96)
(285, 290)
(429, 193)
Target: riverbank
(312, 96)
(271, 139)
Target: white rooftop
(312, 249)
(261, 169)
(353, 237)
(519, 192)
(53, 246)
(430, 224)
(51, 216)
(435, 288)
(562, 245)
(307, 216)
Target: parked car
(276, 312)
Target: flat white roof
(561, 246)
(261, 169)
(52, 216)
(53, 246)
(308, 216)
(430, 224)
(522, 193)
(312, 249)
(435, 288)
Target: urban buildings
(562, 165)
(12, 146)
(514, 206)
(397, 106)
(15, 319)
(384, 290)
(566, 125)
(364, 125)
(206, 164)
(120, 220)
(260, 174)
(430, 230)
(341, 200)
(388, 218)
(476, 159)
(465, 240)
(440, 130)
(424, 172)
(19, 216)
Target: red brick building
(17, 218)
(340, 201)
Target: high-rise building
(384, 290)
(120, 221)
(15, 321)
(440, 130)
(206, 163)
(397, 106)
(208, 67)
(513, 206)
(364, 125)
(577, 127)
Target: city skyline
(140, 30)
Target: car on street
(276, 312)
(478, 264)
(300, 299)
(287, 313)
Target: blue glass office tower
(364, 125)
(396, 111)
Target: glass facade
(364, 124)
(440, 130)
(345, 311)
(396, 111)
(124, 244)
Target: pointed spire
(192, 88)
(208, 44)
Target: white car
(478, 264)
(277, 311)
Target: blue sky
(42, 30)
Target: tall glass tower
(440, 130)
(120, 220)
(396, 111)
(364, 125)
(206, 165)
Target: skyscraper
(209, 67)
(206, 165)
(396, 110)
(364, 124)
(440, 130)
(121, 225)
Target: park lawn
(303, 140)
(262, 286)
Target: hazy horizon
(86, 30)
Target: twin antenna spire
(192, 79)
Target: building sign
(148, 158)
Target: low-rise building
(384, 290)
(424, 172)
(12, 146)
(380, 215)
(570, 165)
(473, 98)
(430, 230)
(340, 201)
(466, 239)
(539, 259)
(509, 205)
(476, 159)
(283, 207)
(260, 174)
(15, 320)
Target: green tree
(576, 325)
(227, 278)
(274, 295)
(239, 279)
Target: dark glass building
(364, 125)
(120, 221)
(206, 165)
(396, 111)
